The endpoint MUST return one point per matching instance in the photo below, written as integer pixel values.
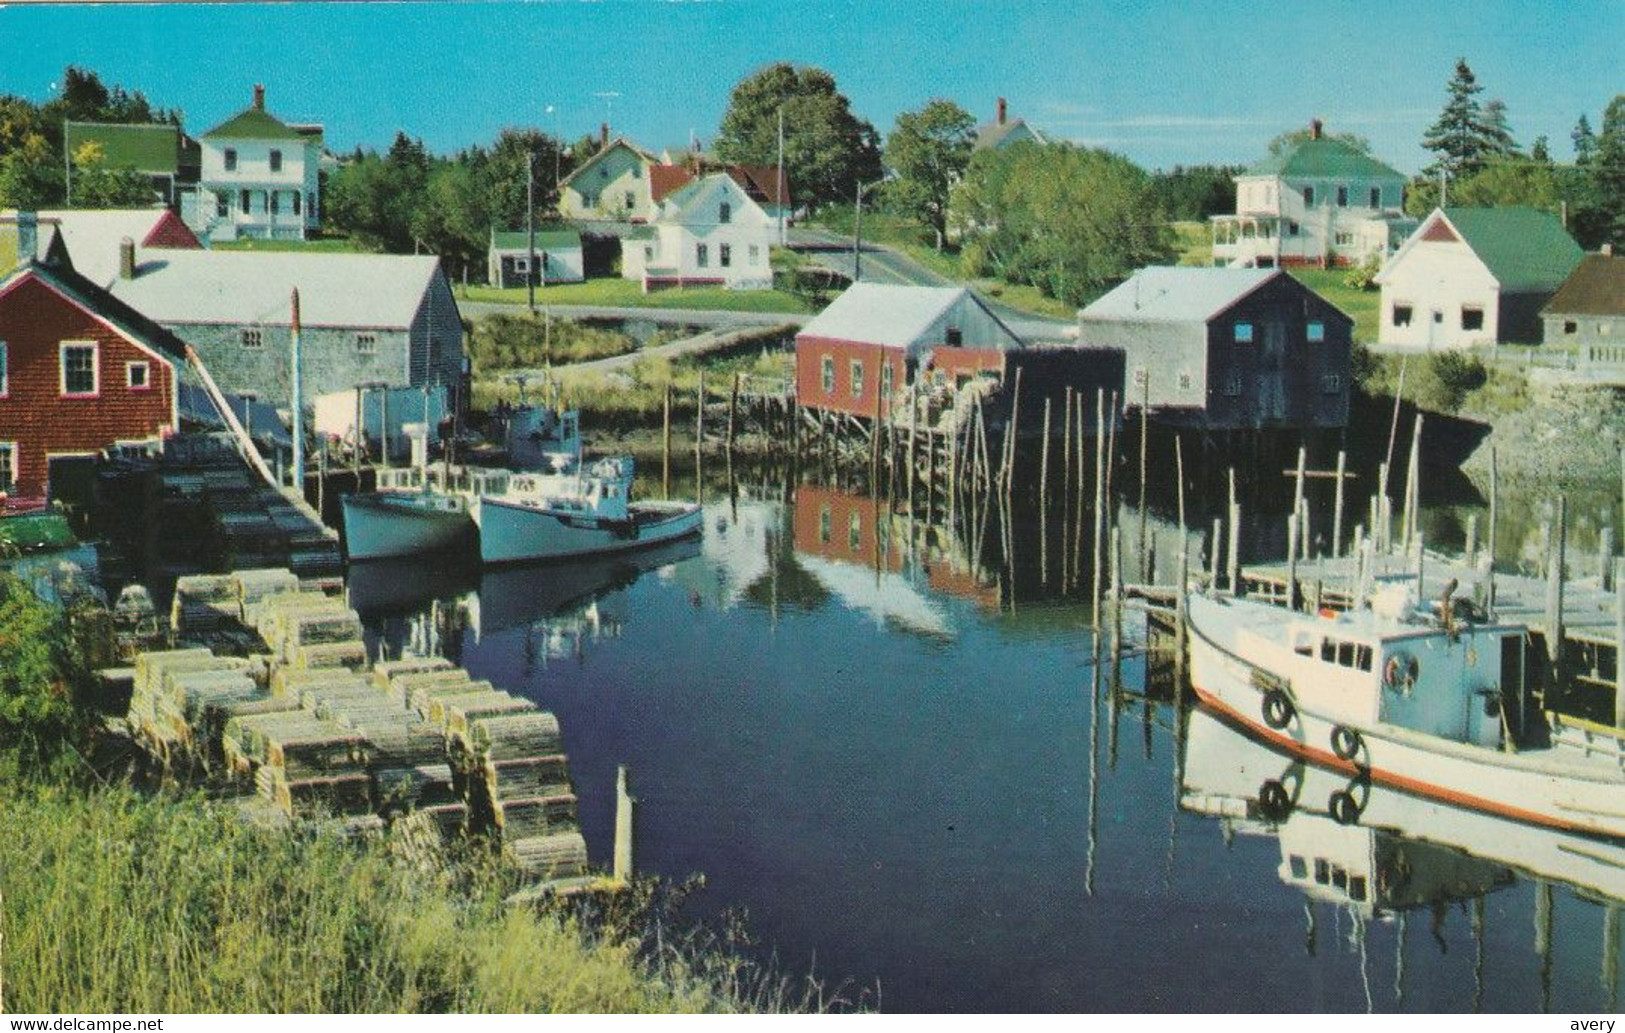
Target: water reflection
(903, 759)
(1407, 854)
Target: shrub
(1363, 277)
(526, 342)
(1447, 378)
(39, 674)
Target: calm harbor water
(917, 783)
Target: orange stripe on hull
(1379, 776)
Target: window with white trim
(725, 255)
(755, 255)
(885, 379)
(857, 378)
(79, 377)
(230, 159)
(1331, 383)
(702, 255)
(828, 374)
(138, 375)
(276, 161)
(725, 212)
(366, 344)
(8, 465)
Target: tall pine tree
(1461, 137)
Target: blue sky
(1164, 83)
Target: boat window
(1340, 878)
(1362, 657)
(1322, 871)
(1300, 870)
(1357, 887)
(1302, 645)
(1328, 650)
(1345, 654)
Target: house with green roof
(159, 151)
(1320, 201)
(556, 257)
(1474, 276)
(259, 178)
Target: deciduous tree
(828, 150)
(927, 151)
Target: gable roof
(993, 134)
(253, 287)
(678, 204)
(546, 240)
(1596, 287)
(92, 236)
(1523, 248)
(663, 179)
(254, 123)
(763, 183)
(152, 148)
(618, 142)
(893, 315)
(1323, 158)
(1177, 294)
(103, 305)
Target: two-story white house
(612, 184)
(706, 233)
(1320, 202)
(259, 179)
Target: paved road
(882, 264)
(681, 316)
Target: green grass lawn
(320, 245)
(1362, 305)
(1194, 241)
(614, 292)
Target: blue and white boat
(594, 516)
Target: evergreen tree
(1460, 137)
(1498, 132)
(1540, 151)
(1585, 141)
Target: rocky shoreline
(1564, 436)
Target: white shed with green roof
(556, 259)
(1474, 276)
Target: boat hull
(1543, 790)
(382, 527)
(515, 533)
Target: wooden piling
(1043, 500)
(359, 453)
(1145, 409)
(665, 448)
(1554, 586)
(1184, 566)
(1472, 537)
(1234, 557)
(1292, 532)
(1214, 544)
(733, 410)
(1619, 643)
(1337, 505)
(623, 827)
(1297, 501)
(1100, 505)
(1605, 559)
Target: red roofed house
(79, 370)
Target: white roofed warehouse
(366, 319)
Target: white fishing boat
(1400, 697)
(589, 514)
(387, 524)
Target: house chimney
(1315, 126)
(603, 134)
(126, 259)
(259, 96)
(27, 236)
(1003, 109)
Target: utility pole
(558, 146)
(530, 228)
(298, 404)
(778, 187)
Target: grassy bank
(119, 902)
(614, 292)
(1361, 305)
